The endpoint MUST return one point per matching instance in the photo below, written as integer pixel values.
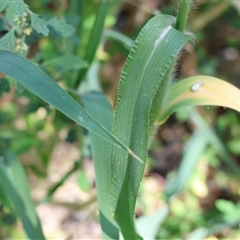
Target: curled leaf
(200, 90)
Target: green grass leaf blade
(149, 225)
(14, 183)
(63, 179)
(97, 104)
(97, 30)
(95, 38)
(151, 56)
(66, 62)
(126, 41)
(35, 80)
(216, 142)
(192, 152)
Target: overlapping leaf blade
(151, 56)
(126, 41)
(94, 38)
(216, 142)
(35, 80)
(97, 104)
(14, 183)
(193, 150)
(148, 225)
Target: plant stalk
(183, 14)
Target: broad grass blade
(14, 183)
(150, 58)
(35, 80)
(97, 104)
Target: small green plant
(20, 22)
(147, 96)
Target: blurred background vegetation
(55, 151)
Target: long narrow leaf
(14, 183)
(153, 52)
(95, 38)
(216, 142)
(97, 104)
(192, 153)
(35, 80)
(125, 41)
(149, 225)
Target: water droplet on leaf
(196, 86)
(80, 118)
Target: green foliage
(67, 75)
(44, 87)
(39, 24)
(66, 62)
(7, 42)
(94, 39)
(58, 28)
(4, 86)
(102, 162)
(193, 151)
(230, 210)
(133, 110)
(21, 21)
(19, 7)
(3, 5)
(14, 183)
